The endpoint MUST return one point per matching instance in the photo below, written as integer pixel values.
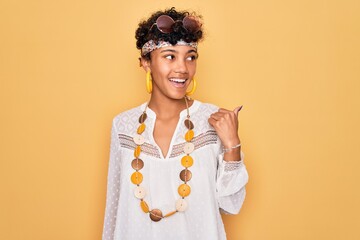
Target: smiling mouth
(178, 82)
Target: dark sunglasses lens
(164, 23)
(191, 24)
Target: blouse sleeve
(113, 187)
(232, 177)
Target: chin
(178, 96)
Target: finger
(217, 116)
(212, 122)
(237, 110)
(227, 113)
(223, 110)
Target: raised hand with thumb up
(226, 124)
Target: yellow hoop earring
(148, 82)
(193, 88)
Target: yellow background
(68, 67)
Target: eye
(192, 57)
(170, 57)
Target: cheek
(160, 66)
(161, 71)
(156, 68)
(192, 68)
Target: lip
(178, 84)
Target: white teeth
(177, 80)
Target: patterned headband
(151, 45)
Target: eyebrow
(172, 50)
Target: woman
(174, 161)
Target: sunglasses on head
(164, 23)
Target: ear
(144, 63)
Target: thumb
(237, 110)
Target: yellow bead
(189, 135)
(170, 213)
(184, 190)
(187, 161)
(144, 206)
(137, 151)
(136, 178)
(141, 128)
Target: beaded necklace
(185, 175)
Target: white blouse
(215, 184)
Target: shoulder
(128, 113)
(207, 108)
(127, 118)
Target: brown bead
(137, 164)
(188, 123)
(142, 118)
(185, 175)
(156, 215)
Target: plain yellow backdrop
(68, 67)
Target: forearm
(232, 151)
(231, 180)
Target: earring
(188, 93)
(148, 82)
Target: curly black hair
(145, 33)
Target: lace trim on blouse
(206, 138)
(232, 165)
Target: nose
(181, 66)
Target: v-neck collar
(183, 113)
(151, 114)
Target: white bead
(138, 139)
(139, 192)
(181, 205)
(189, 147)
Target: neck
(166, 108)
